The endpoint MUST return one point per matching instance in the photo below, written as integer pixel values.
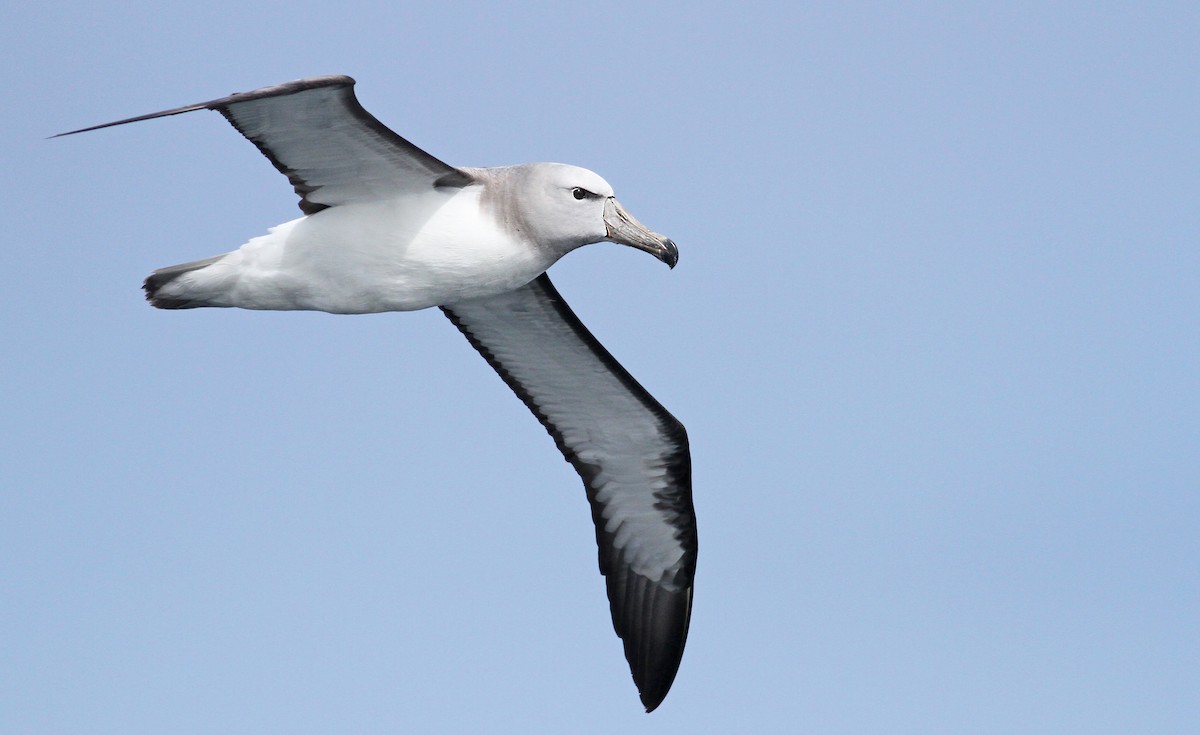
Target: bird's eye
(580, 193)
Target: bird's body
(388, 255)
(388, 227)
(402, 253)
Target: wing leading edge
(631, 453)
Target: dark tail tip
(161, 277)
(151, 286)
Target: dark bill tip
(670, 254)
(623, 228)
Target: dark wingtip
(652, 700)
(139, 118)
(652, 621)
(654, 684)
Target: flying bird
(388, 227)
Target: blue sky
(933, 334)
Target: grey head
(562, 207)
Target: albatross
(388, 227)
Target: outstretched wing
(319, 136)
(631, 453)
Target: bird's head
(573, 206)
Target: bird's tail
(165, 290)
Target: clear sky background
(935, 335)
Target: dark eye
(580, 193)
